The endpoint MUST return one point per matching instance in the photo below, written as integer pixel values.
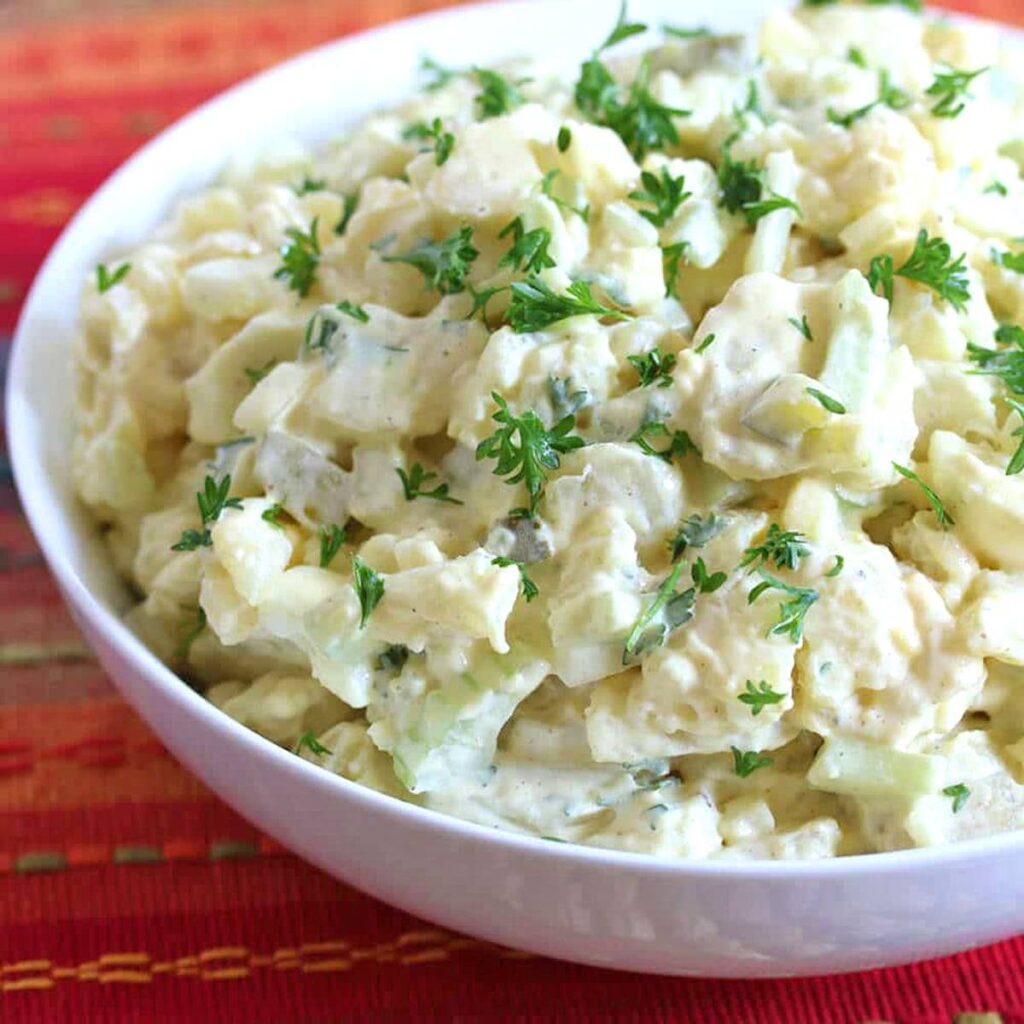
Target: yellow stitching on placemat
(232, 963)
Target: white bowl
(594, 906)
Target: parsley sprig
(654, 368)
(783, 548)
(444, 265)
(530, 589)
(680, 443)
(272, 516)
(529, 252)
(535, 306)
(695, 533)
(212, 500)
(951, 90)
(107, 279)
(671, 259)
(742, 188)
(746, 762)
(665, 193)
(759, 696)
(497, 94)
(1005, 362)
(442, 142)
(1009, 260)
(307, 741)
(931, 264)
(944, 518)
(1016, 464)
(889, 95)
(300, 257)
(959, 794)
(369, 588)
(413, 481)
(792, 609)
(525, 450)
(331, 540)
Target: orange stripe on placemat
(232, 963)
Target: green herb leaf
(931, 264)
(704, 582)
(307, 741)
(783, 548)
(951, 90)
(441, 76)
(745, 763)
(300, 258)
(1017, 461)
(444, 265)
(529, 252)
(480, 300)
(331, 540)
(695, 533)
(356, 312)
(837, 568)
(194, 632)
(740, 183)
(755, 211)
(272, 515)
(256, 375)
(623, 30)
(881, 273)
(827, 402)
(686, 33)
(791, 611)
(671, 258)
(106, 279)
(498, 95)
(944, 518)
(212, 500)
(960, 794)
(369, 588)
(709, 340)
(413, 483)
(308, 185)
(530, 589)
(802, 326)
(535, 306)
(848, 120)
(350, 202)
(654, 368)
(758, 697)
(856, 56)
(668, 611)
(564, 139)
(525, 450)
(1005, 362)
(1010, 260)
(442, 142)
(680, 444)
(547, 187)
(997, 188)
(665, 193)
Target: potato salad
(631, 457)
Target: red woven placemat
(128, 892)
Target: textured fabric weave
(128, 892)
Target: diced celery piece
(859, 769)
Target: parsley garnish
(623, 29)
(837, 568)
(951, 90)
(529, 252)
(742, 186)
(308, 185)
(944, 518)
(331, 539)
(792, 611)
(827, 401)
(1007, 362)
(106, 279)
(654, 368)
(695, 533)
(889, 95)
(350, 202)
(443, 142)
(686, 33)
(195, 631)
(1010, 260)
(480, 300)
(665, 193)
(393, 658)
(671, 258)
(564, 139)
(535, 306)
(802, 326)
(444, 265)
(930, 264)
(272, 515)
(746, 762)
(530, 589)
(758, 697)
(679, 441)
(307, 741)
(442, 75)
(412, 484)
(709, 340)
(498, 95)
(256, 375)
(524, 449)
(960, 794)
(547, 187)
(997, 188)
(705, 582)
(1017, 461)
(300, 259)
(784, 548)
(856, 56)
(755, 211)
(212, 500)
(563, 401)
(369, 588)
(674, 609)
(356, 312)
